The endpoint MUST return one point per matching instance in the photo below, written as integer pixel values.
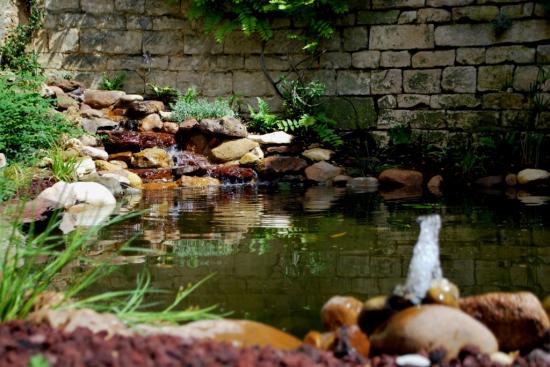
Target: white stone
(85, 167)
(502, 358)
(94, 153)
(278, 137)
(65, 195)
(318, 154)
(530, 174)
(413, 360)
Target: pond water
(279, 255)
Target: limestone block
(524, 76)
(156, 8)
(217, 84)
(413, 100)
(470, 56)
(353, 82)
(130, 6)
(471, 120)
(366, 59)
(64, 41)
(407, 17)
(430, 15)
(110, 42)
(439, 3)
(335, 60)
(250, 84)
(430, 59)
(454, 101)
(200, 45)
(388, 119)
(395, 59)
(388, 101)
(459, 79)
(422, 81)
(503, 100)
(98, 6)
(543, 54)
(426, 119)
(163, 42)
(352, 112)
(518, 54)
(476, 13)
(355, 38)
(401, 37)
(386, 82)
(62, 5)
(518, 10)
(138, 22)
(391, 4)
(377, 17)
(494, 77)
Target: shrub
(191, 106)
(27, 121)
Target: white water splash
(424, 267)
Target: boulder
(318, 154)
(152, 158)
(64, 101)
(125, 157)
(151, 122)
(110, 183)
(91, 113)
(281, 165)
(188, 124)
(170, 127)
(277, 137)
(89, 140)
(322, 172)
(252, 157)
(233, 149)
(191, 181)
(130, 98)
(150, 139)
(65, 85)
(518, 320)
(443, 292)
(84, 215)
(142, 108)
(240, 333)
(119, 176)
(92, 125)
(401, 177)
(340, 311)
(227, 126)
(531, 175)
(122, 141)
(430, 327)
(94, 153)
(101, 98)
(64, 194)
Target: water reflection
(279, 256)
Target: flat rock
(531, 175)
(152, 158)
(402, 177)
(233, 149)
(430, 327)
(318, 154)
(228, 126)
(518, 320)
(101, 98)
(277, 137)
(322, 172)
(192, 181)
(130, 98)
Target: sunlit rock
(252, 157)
(3, 160)
(233, 149)
(150, 123)
(443, 292)
(518, 320)
(101, 98)
(85, 167)
(191, 181)
(413, 360)
(227, 126)
(232, 173)
(531, 175)
(68, 194)
(170, 127)
(277, 137)
(143, 108)
(152, 158)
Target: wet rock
(228, 126)
(3, 160)
(402, 177)
(122, 141)
(322, 172)
(413, 360)
(142, 108)
(191, 181)
(532, 200)
(341, 180)
(347, 342)
(340, 311)
(151, 122)
(170, 127)
(285, 149)
(252, 157)
(85, 167)
(323, 341)
(318, 154)
(233, 149)
(530, 175)
(125, 177)
(92, 125)
(281, 165)
(188, 162)
(369, 184)
(152, 158)
(489, 181)
(277, 137)
(232, 173)
(539, 357)
(68, 194)
(236, 332)
(197, 143)
(101, 98)
(511, 179)
(443, 292)
(150, 139)
(119, 176)
(159, 186)
(153, 174)
(518, 320)
(430, 327)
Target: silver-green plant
(190, 105)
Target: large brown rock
(430, 327)
(340, 311)
(281, 165)
(402, 177)
(322, 172)
(101, 98)
(142, 108)
(518, 320)
(228, 126)
(233, 149)
(152, 158)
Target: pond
(278, 255)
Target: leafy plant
(114, 83)
(28, 122)
(190, 105)
(13, 54)
(63, 166)
(301, 98)
(221, 17)
(166, 94)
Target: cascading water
(424, 268)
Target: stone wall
(438, 65)
(9, 18)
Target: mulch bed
(20, 340)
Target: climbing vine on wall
(13, 54)
(313, 19)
